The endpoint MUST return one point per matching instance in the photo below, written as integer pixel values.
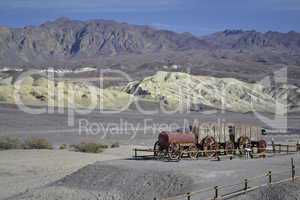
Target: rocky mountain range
(239, 39)
(65, 39)
(143, 50)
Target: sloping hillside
(187, 91)
(173, 90)
(40, 91)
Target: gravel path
(22, 170)
(135, 180)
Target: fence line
(273, 149)
(244, 184)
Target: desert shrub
(9, 143)
(63, 146)
(37, 143)
(89, 147)
(115, 145)
(2, 98)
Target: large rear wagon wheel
(210, 146)
(243, 143)
(229, 148)
(193, 151)
(174, 152)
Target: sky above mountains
(199, 17)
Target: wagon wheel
(244, 142)
(159, 152)
(156, 148)
(174, 152)
(162, 154)
(193, 151)
(262, 146)
(210, 146)
(229, 148)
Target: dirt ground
(43, 174)
(62, 174)
(127, 127)
(22, 170)
(287, 191)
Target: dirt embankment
(284, 191)
(49, 175)
(111, 182)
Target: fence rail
(273, 149)
(243, 186)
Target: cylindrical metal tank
(165, 138)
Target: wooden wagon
(230, 136)
(208, 139)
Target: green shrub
(115, 145)
(89, 147)
(63, 146)
(37, 143)
(2, 98)
(9, 143)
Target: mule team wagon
(211, 139)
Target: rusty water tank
(167, 138)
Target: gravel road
(129, 179)
(61, 174)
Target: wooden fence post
(293, 169)
(273, 146)
(188, 196)
(246, 184)
(270, 177)
(216, 192)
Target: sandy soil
(23, 170)
(59, 175)
(141, 129)
(286, 191)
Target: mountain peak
(233, 31)
(62, 19)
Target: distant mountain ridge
(143, 50)
(239, 39)
(64, 39)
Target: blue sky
(199, 17)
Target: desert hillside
(172, 90)
(41, 91)
(185, 90)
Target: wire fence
(242, 186)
